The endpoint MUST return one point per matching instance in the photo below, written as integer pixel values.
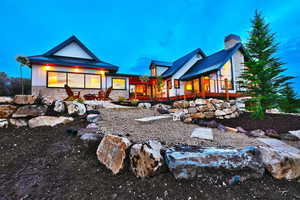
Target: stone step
(279, 145)
(153, 118)
(203, 133)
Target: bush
(121, 99)
(134, 101)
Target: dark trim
(119, 78)
(67, 79)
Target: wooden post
(202, 88)
(226, 89)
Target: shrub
(121, 99)
(134, 101)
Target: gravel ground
(122, 122)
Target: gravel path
(122, 122)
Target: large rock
(201, 102)
(90, 130)
(144, 105)
(6, 100)
(198, 115)
(30, 111)
(146, 159)
(181, 104)
(295, 133)
(219, 113)
(59, 106)
(280, 159)
(3, 123)
(161, 106)
(187, 162)
(18, 122)
(93, 118)
(203, 133)
(91, 141)
(24, 99)
(112, 152)
(7, 110)
(177, 116)
(76, 108)
(48, 121)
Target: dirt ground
(47, 163)
(167, 131)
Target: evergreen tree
(262, 78)
(289, 102)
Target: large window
(226, 73)
(119, 83)
(92, 81)
(176, 83)
(73, 80)
(76, 80)
(56, 79)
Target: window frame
(169, 84)
(232, 78)
(178, 86)
(66, 81)
(112, 85)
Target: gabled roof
(210, 63)
(50, 57)
(72, 39)
(180, 62)
(160, 63)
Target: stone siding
(115, 94)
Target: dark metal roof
(161, 63)
(66, 61)
(50, 58)
(180, 62)
(210, 63)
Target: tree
(262, 78)
(4, 84)
(289, 102)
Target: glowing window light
(189, 86)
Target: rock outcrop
(3, 123)
(76, 108)
(18, 122)
(48, 121)
(7, 110)
(6, 100)
(146, 159)
(187, 162)
(112, 152)
(24, 99)
(30, 111)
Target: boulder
(6, 100)
(295, 133)
(48, 121)
(18, 122)
(198, 115)
(144, 105)
(83, 131)
(188, 162)
(201, 102)
(93, 118)
(174, 110)
(146, 159)
(227, 111)
(192, 110)
(30, 111)
(219, 113)
(192, 104)
(210, 107)
(188, 120)
(59, 106)
(94, 105)
(7, 110)
(162, 111)
(272, 133)
(92, 125)
(280, 159)
(241, 130)
(209, 114)
(76, 108)
(177, 116)
(161, 106)
(112, 152)
(3, 123)
(202, 108)
(92, 112)
(256, 133)
(24, 99)
(91, 141)
(289, 137)
(181, 104)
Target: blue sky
(129, 33)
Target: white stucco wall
(73, 50)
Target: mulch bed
(48, 163)
(279, 122)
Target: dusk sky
(130, 33)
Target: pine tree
(289, 102)
(262, 78)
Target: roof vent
(231, 40)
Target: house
(196, 73)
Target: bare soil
(47, 163)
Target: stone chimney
(231, 40)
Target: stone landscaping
(149, 140)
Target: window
(169, 84)
(92, 81)
(76, 80)
(226, 73)
(153, 71)
(188, 85)
(176, 83)
(56, 79)
(119, 83)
